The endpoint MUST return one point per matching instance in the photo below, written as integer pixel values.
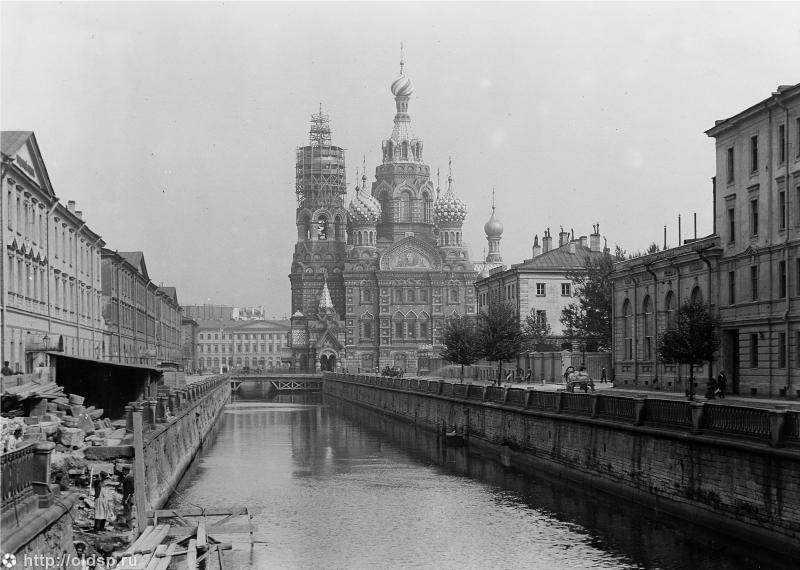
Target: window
(731, 287)
(781, 279)
(423, 296)
(423, 330)
(540, 289)
(730, 165)
(565, 289)
(649, 326)
(366, 296)
(731, 225)
(454, 295)
(797, 135)
(754, 350)
(669, 308)
(754, 154)
(781, 143)
(782, 209)
(696, 295)
(781, 350)
(797, 263)
(754, 217)
(410, 296)
(628, 329)
(754, 282)
(398, 330)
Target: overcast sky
(174, 126)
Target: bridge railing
(778, 427)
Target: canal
(338, 486)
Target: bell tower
(321, 220)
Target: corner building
(372, 284)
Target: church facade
(374, 281)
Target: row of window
(781, 142)
(241, 336)
(407, 329)
(239, 348)
(754, 271)
(510, 292)
(783, 218)
(203, 363)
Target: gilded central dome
(364, 208)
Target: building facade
(189, 339)
(647, 291)
(540, 286)
(143, 320)
(373, 283)
(223, 345)
(50, 291)
(757, 217)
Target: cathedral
(373, 281)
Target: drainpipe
(93, 292)
(678, 295)
(787, 281)
(655, 315)
(710, 304)
(5, 165)
(75, 270)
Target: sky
(174, 125)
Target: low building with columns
(647, 292)
(50, 286)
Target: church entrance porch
(327, 362)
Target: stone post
(593, 401)
(638, 409)
(161, 409)
(777, 419)
(41, 460)
(697, 416)
(152, 413)
(528, 396)
(129, 417)
(173, 403)
(559, 400)
(145, 408)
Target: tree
(500, 333)
(590, 317)
(461, 342)
(536, 330)
(692, 340)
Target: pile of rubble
(63, 420)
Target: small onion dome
(494, 227)
(402, 87)
(364, 209)
(449, 209)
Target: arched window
(405, 206)
(366, 326)
(648, 321)
(454, 295)
(411, 326)
(697, 294)
(427, 204)
(627, 328)
(669, 309)
(337, 229)
(360, 239)
(386, 207)
(322, 227)
(410, 296)
(398, 326)
(404, 152)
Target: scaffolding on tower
(320, 167)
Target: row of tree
(497, 334)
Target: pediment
(328, 340)
(411, 254)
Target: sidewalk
(610, 389)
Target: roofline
(725, 124)
(699, 245)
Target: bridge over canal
(279, 381)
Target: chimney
(71, 206)
(547, 241)
(563, 237)
(594, 238)
(572, 247)
(537, 249)
(584, 241)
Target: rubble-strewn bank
(48, 493)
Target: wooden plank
(164, 563)
(172, 549)
(139, 482)
(191, 555)
(139, 541)
(202, 540)
(198, 512)
(161, 551)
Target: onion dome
(449, 209)
(493, 228)
(364, 208)
(402, 87)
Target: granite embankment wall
(733, 467)
(169, 448)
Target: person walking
(722, 383)
(603, 378)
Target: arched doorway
(303, 362)
(327, 362)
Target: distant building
(235, 345)
(189, 340)
(540, 286)
(757, 217)
(143, 320)
(208, 312)
(50, 286)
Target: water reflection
(343, 487)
